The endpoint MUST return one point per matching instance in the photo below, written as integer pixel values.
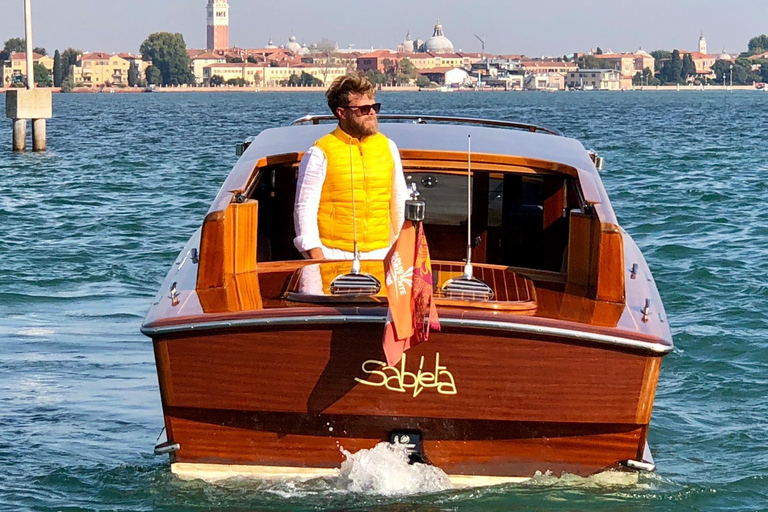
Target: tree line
(672, 68)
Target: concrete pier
(24, 104)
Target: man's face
(353, 121)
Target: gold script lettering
(400, 380)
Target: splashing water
(384, 470)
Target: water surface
(91, 227)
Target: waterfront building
(594, 79)
(348, 60)
(544, 82)
(378, 60)
(628, 64)
(14, 70)
(203, 60)
(547, 66)
(450, 76)
(268, 75)
(133, 59)
(99, 69)
(248, 72)
(218, 25)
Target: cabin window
(518, 220)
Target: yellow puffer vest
(373, 167)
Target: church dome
(292, 45)
(438, 43)
(724, 56)
(270, 44)
(303, 51)
(408, 43)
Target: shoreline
(235, 90)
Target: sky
(538, 28)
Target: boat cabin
(539, 210)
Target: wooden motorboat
(557, 371)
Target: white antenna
(468, 287)
(468, 266)
(356, 255)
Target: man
(351, 182)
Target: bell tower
(218, 25)
(702, 44)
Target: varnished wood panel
(520, 450)
(496, 378)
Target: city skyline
(565, 27)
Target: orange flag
(412, 311)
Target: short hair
(355, 83)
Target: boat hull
(488, 404)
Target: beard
(362, 126)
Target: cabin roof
(436, 137)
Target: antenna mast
(356, 256)
(468, 266)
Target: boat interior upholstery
(515, 215)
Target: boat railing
(416, 119)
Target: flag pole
(356, 254)
(468, 266)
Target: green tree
(168, 53)
(42, 75)
(689, 68)
(237, 82)
(133, 75)
(308, 80)
(659, 57)
(592, 62)
(234, 60)
(758, 44)
(422, 81)
(675, 68)
(14, 44)
(40, 51)
(671, 71)
(645, 78)
(57, 71)
(69, 58)
(67, 84)
(216, 81)
(764, 72)
(742, 73)
(376, 76)
(252, 59)
(154, 75)
(599, 51)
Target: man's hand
(315, 254)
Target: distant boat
(547, 358)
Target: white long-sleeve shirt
(312, 171)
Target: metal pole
(30, 60)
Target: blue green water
(89, 229)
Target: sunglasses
(365, 109)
